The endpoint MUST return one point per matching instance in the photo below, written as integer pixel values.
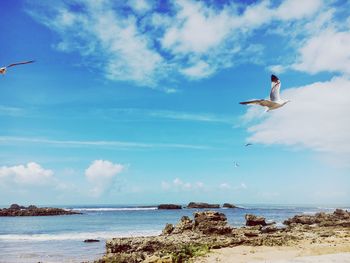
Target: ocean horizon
(60, 238)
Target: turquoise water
(60, 238)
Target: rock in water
(227, 205)
(32, 210)
(91, 240)
(202, 205)
(169, 206)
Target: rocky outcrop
(209, 229)
(227, 205)
(338, 218)
(252, 220)
(169, 206)
(91, 240)
(202, 205)
(185, 224)
(32, 210)
(211, 222)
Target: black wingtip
(274, 78)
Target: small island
(32, 210)
(169, 206)
(228, 205)
(202, 205)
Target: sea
(60, 238)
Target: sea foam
(76, 235)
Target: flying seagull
(248, 144)
(275, 101)
(4, 69)
(236, 164)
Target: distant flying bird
(236, 164)
(248, 144)
(4, 69)
(275, 101)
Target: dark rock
(227, 205)
(16, 207)
(252, 220)
(338, 218)
(169, 206)
(343, 214)
(211, 222)
(91, 240)
(202, 205)
(168, 229)
(185, 224)
(269, 229)
(251, 233)
(16, 210)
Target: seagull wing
(20, 63)
(275, 88)
(265, 103)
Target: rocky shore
(32, 210)
(210, 230)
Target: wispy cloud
(167, 114)
(114, 144)
(178, 185)
(194, 39)
(11, 111)
(227, 186)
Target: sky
(137, 102)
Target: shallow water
(60, 238)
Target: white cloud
(30, 174)
(140, 6)
(326, 51)
(101, 175)
(112, 42)
(277, 69)
(243, 186)
(178, 185)
(297, 9)
(187, 34)
(225, 186)
(200, 70)
(317, 118)
(194, 39)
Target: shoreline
(259, 240)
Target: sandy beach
(324, 251)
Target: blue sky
(138, 102)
